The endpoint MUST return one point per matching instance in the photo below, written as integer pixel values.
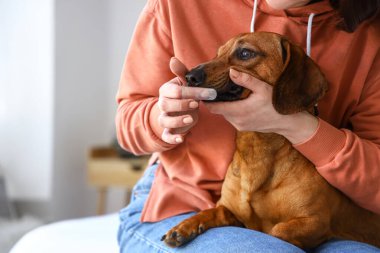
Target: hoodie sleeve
(145, 69)
(350, 160)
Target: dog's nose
(196, 76)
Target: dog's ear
(301, 83)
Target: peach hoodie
(345, 148)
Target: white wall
(26, 96)
(58, 81)
(80, 101)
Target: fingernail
(178, 140)
(209, 94)
(193, 105)
(188, 120)
(234, 73)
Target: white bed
(94, 234)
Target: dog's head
(297, 81)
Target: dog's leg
(304, 232)
(188, 229)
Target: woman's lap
(138, 237)
(341, 246)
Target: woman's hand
(179, 104)
(256, 113)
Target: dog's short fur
(270, 186)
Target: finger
(167, 121)
(216, 108)
(226, 108)
(170, 138)
(245, 80)
(173, 90)
(198, 93)
(177, 105)
(178, 69)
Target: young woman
(195, 141)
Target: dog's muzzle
(230, 91)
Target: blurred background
(60, 63)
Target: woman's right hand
(179, 105)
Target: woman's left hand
(256, 113)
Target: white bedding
(95, 234)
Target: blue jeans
(138, 237)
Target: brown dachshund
(270, 186)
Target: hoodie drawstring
(253, 16)
(308, 49)
(308, 36)
(309, 27)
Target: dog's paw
(183, 233)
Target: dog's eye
(245, 54)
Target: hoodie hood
(322, 10)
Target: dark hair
(354, 12)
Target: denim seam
(147, 241)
